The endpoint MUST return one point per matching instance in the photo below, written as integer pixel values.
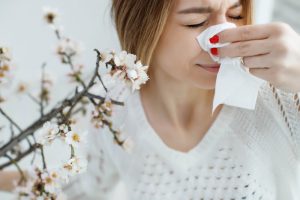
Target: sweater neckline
(149, 135)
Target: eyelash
(201, 24)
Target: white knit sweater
(253, 155)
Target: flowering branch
(57, 123)
(52, 114)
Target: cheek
(178, 50)
(179, 58)
(182, 51)
(239, 23)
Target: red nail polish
(214, 51)
(215, 39)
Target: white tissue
(235, 86)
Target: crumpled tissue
(235, 85)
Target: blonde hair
(140, 23)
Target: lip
(211, 67)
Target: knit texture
(246, 154)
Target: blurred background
(32, 43)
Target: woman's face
(178, 55)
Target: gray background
(88, 21)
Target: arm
(287, 105)
(6, 180)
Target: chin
(208, 84)
(205, 86)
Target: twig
(42, 90)
(12, 123)
(99, 77)
(18, 158)
(37, 124)
(114, 132)
(72, 151)
(102, 99)
(10, 119)
(34, 153)
(33, 98)
(43, 157)
(57, 34)
(23, 177)
(12, 131)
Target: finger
(243, 49)
(244, 33)
(260, 61)
(261, 73)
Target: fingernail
(214, 51)
(215, 39)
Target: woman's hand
(270, 51)
(6, 180)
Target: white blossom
(63, 175)
(47, 133)
(50, 15)
(141, 76)
(128, 145)
(51, 181)
(106, 56)
(75, 166)
(5, 68)
(22, 87)
(75, 139)
(25, 188)
(68, 47)
(64, 128)
(134, 73)
(4, 54)
(48, 80)
(124, 59)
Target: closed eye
(203, 23)
(196, 25)
(237, 17)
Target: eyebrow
(203, 9)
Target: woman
(180, 151)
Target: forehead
(181, 4)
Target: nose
(218, 18)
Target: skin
(271, 52)
(179, 95)
(7, 178)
